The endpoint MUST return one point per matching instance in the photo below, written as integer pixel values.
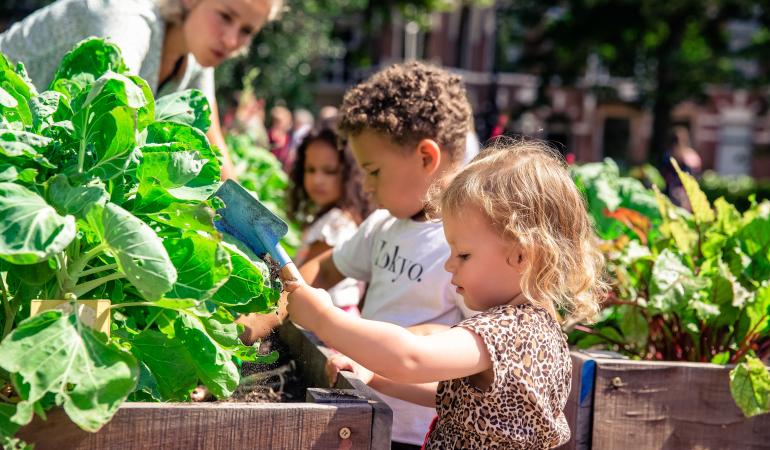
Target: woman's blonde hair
(174, 11)
(524, 189)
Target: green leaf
(7, 427)
(185, 216)
(53, 353)
(147, 388)
(152, 197)
(169, 363)
(76, 200)
(170, 169)
(757, 310)
(22, 146)
(20, 113)
(139, 252)
(146, 113)
(202, 266)
(10, 173)
(193, 139)
(248, 288)
(699, 204)
(212, 362)
(189, 107)
(48, 108)
(633, 325)
(728, 218)
(93, 57)
(721, 358)
(221, 327)
(7, 100)
(105, 123)
(15, 83)
(672, 283)
(31, 231)
(750, 386)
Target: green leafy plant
(106, 193)
(690, 287)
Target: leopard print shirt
(522, 409)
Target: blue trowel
(248, 220)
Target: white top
(334, 227)
(135, 26)
(403, 262)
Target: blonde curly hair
(173, 11)
(524, 189)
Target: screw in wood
(345, 433)
(617, 383)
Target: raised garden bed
(348, 417)
(623, 404)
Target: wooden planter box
(349, 418)
(622, 404)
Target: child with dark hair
(328, 201)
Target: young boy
(406, 126)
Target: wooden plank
(382, 415)
(304, 348)
(339, 425)
(312, 355)
(141, 426)
(665, 405)
(579, 408)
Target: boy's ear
(430, 154)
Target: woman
(172, 44)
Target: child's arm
(387, 349)
(423, 394)
(319, 272)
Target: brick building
(600, 117)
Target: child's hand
(338, 362)
(307, 304)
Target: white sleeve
(332, 228)
(131, 33)
(353, 258)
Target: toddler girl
(522, 253)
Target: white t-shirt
(403, 262)
(334, 227)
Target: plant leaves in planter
(106, 193)
(139, 252)
(750, 386)
(31, 231)
(202, 264)
(54, 353)
(188, 107)
(168, 362)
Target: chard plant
(105, 193)
(686, 286)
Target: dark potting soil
(271, 383)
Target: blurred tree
(287, 56)
(671, 48)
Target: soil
(271, 383)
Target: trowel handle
(290, 272)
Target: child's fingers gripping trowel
(247, 219)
